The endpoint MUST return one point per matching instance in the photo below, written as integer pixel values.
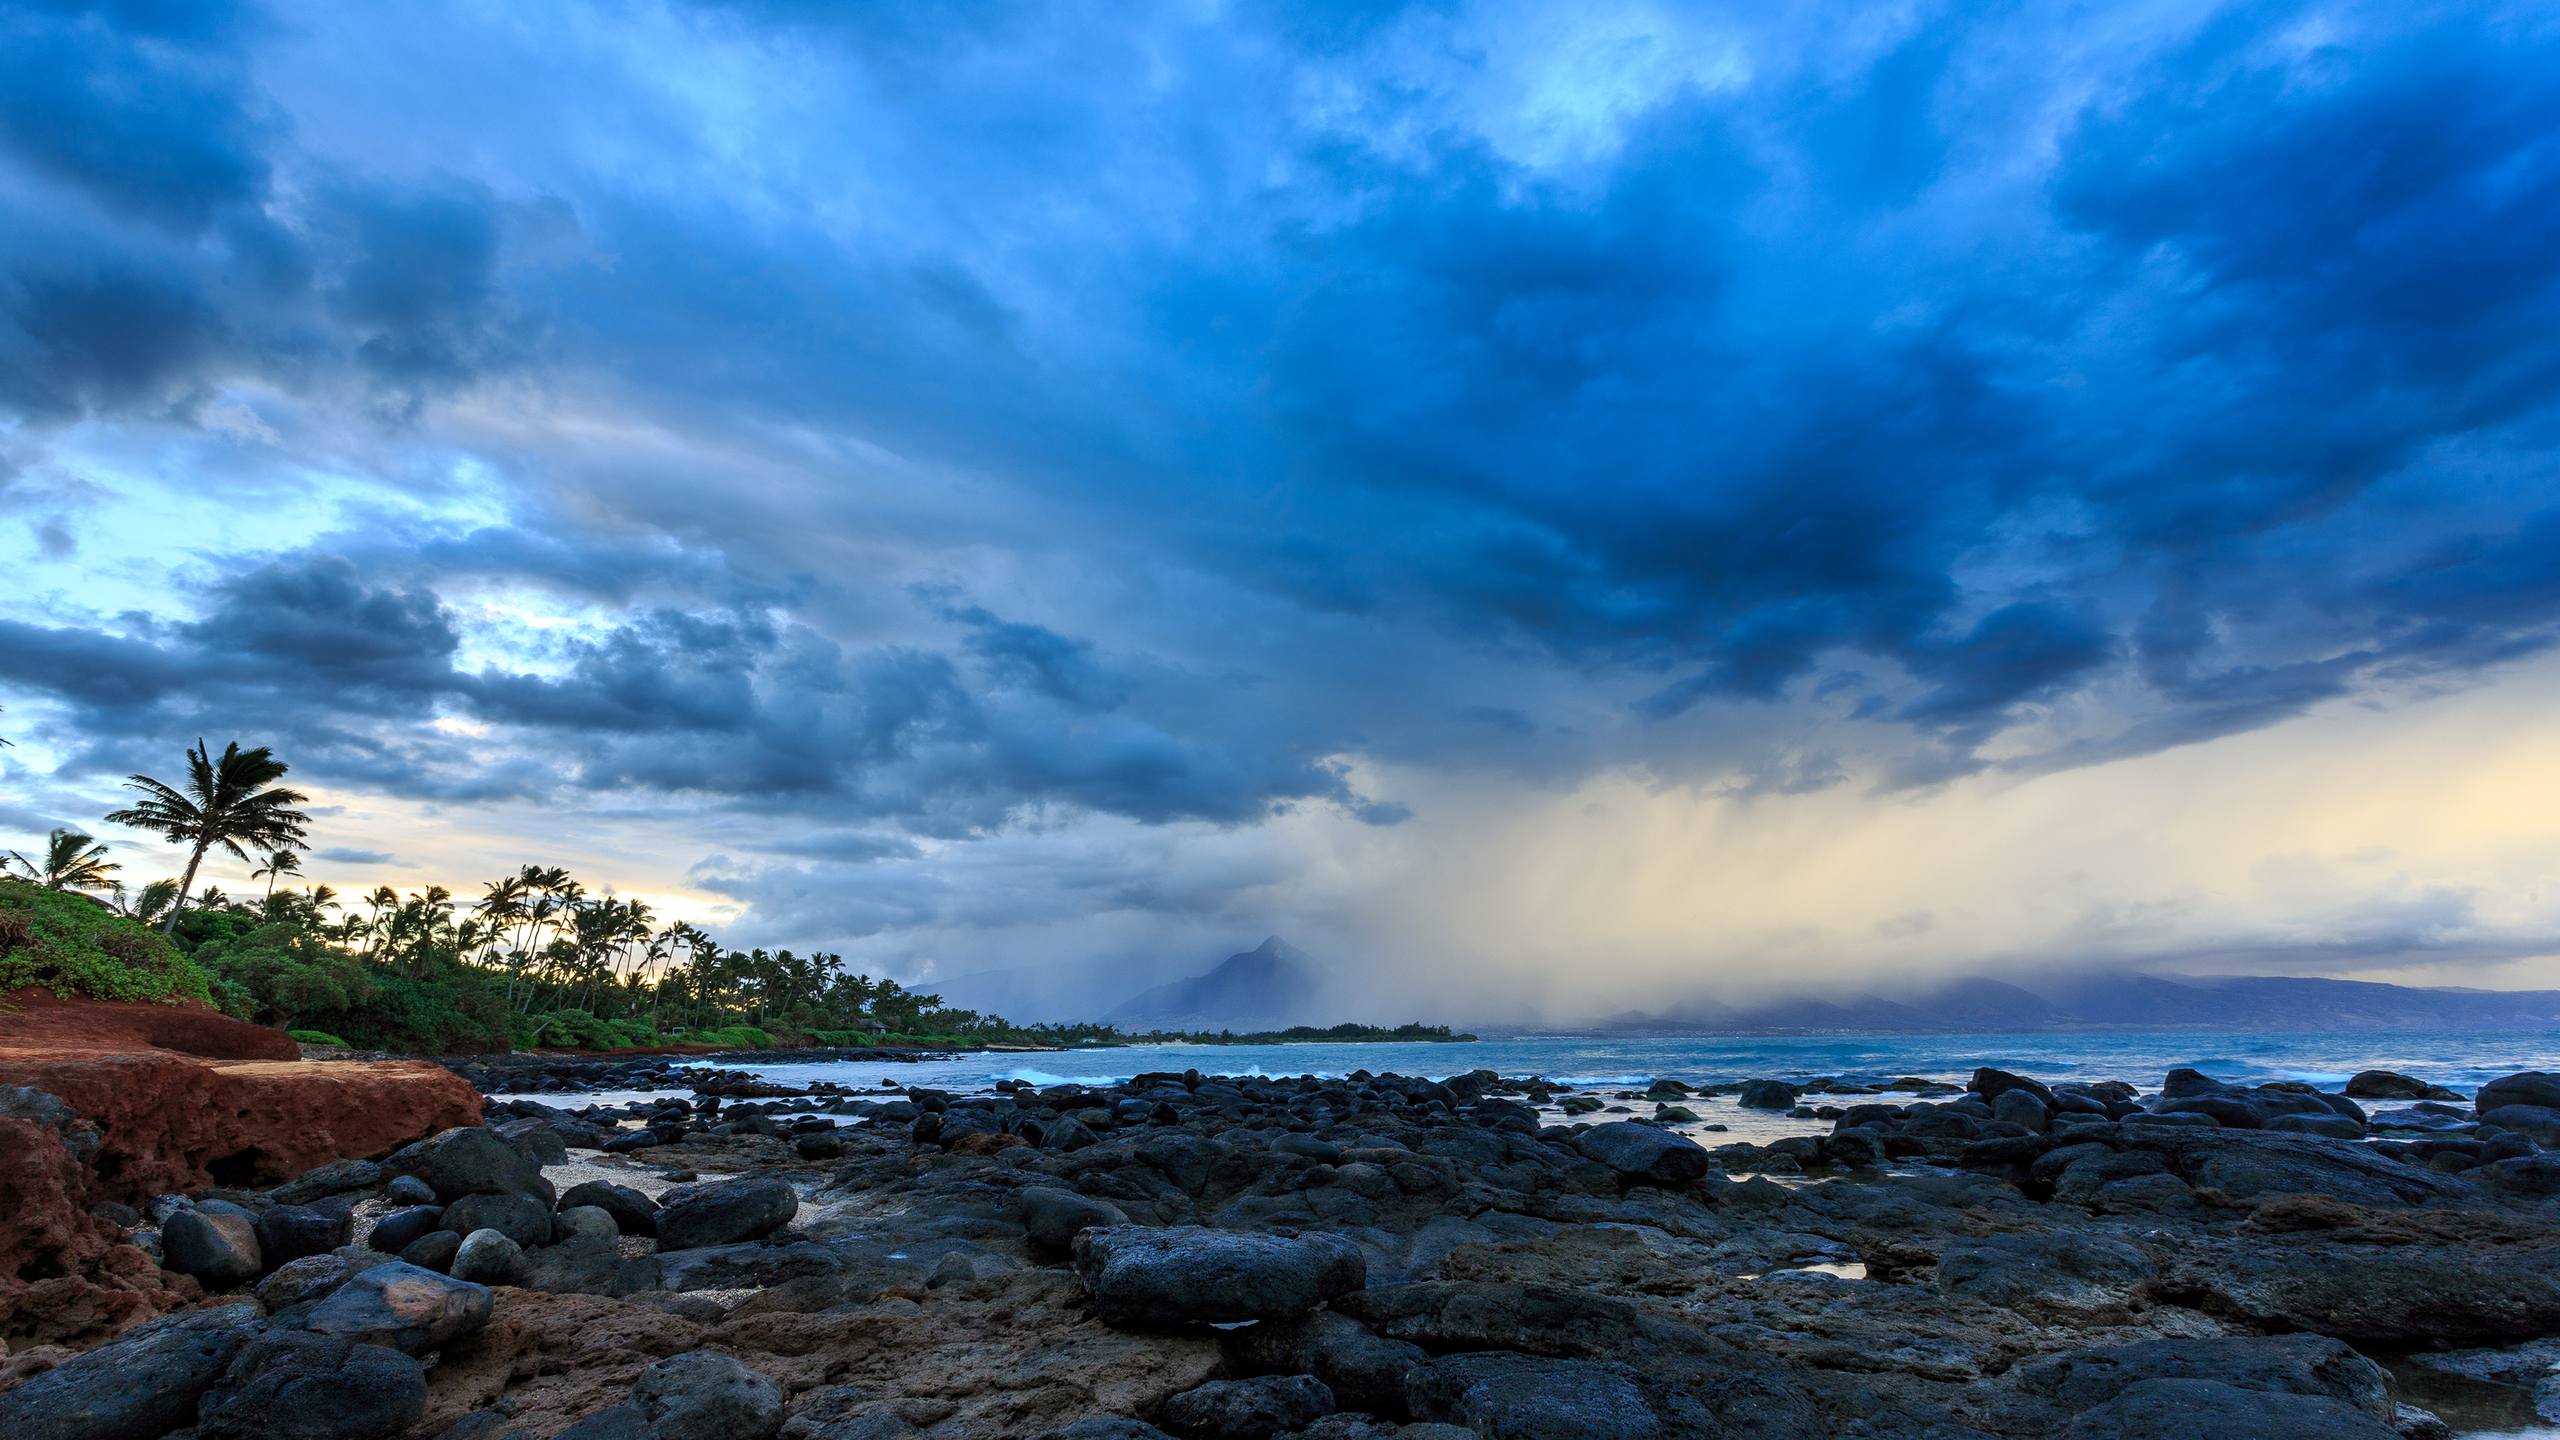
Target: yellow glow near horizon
(2340, 828)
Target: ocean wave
(1044, 1078)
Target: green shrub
(286, 972)
(72, 945)
(575, 1029)
(453, 1010)
(841, 1038)
(736, 1037)
(314, 1037)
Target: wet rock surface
(1380, 1256)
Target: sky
(1551, 508)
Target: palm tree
(383, 897)
(72, 861)
(154, 901)
(279, 863)
(232, 802)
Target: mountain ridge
(1981, 1003)
(1270, 986)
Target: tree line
(536, 958)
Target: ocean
(2461, 1059)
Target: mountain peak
(1271, 985)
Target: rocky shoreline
(550, 1074)
(1378, 1256)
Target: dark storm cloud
(417, 289)
(726, 705)
(2016, 653)
(99, 98)
(313, 624)
(1035, 656)
(1292, 389)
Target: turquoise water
(2459, 1058)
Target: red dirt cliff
(188, 1099)
(182, 1100)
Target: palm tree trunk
(186, 883)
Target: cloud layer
(930, 478)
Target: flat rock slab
(399, 1305)
(1644, 1152)
(724, 1212)
(2211, 1410)
(138, 1387)
(1193, 1275)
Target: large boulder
(1053, 1217)
(2263, 1165)
(1262, 1408)
(1501, 1395)
(294, 1385)
(521, 1218)
(2183, 1082)
(2542, 1122)
(433, 1251)
(699, 1395)
(583, 1222)
(1766, 1095)
(1991, 1084)
(1644, 1152)
(488, 1257)
(2392, 1085)
(724, 1212)
(2212, 1410)
(297, 1282)
(140, 1386)
(2409, 1296)
(2282, 1364)
(290, 1232)
(217, 1244)
(393, 1232)
(591, 1265)
(2058, 1276)
(1192, 1275)
(2531, 1087)
(399, 1305)
(2022, 1108)
(469, 1160)
(633, 1213)
(335, 1178)
(1364, 1369)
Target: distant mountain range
(1266, 988)
(1270, 987)
(2255, 1002)
(1275, 985)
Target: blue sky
(975, 485)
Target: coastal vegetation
(535, 960)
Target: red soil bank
(183, 1100)
(188, 1099)
(66, 1276)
